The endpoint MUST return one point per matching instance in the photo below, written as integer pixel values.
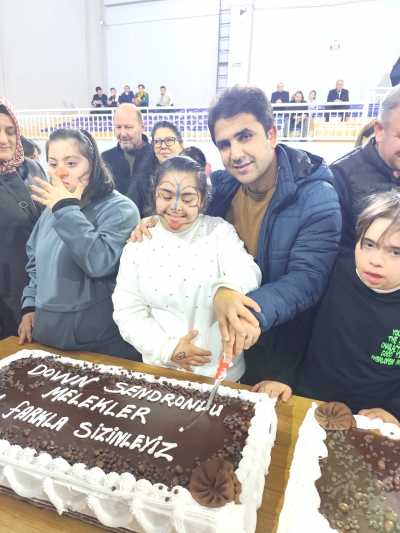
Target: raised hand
(54, 192)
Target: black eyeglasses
(168, 141)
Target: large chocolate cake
(345, 475)
(105, 443)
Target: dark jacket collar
(372, 156)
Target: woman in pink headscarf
(18, 215)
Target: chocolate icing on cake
(75, 411)
(214, 483)
(334, 415)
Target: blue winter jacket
(299, 235)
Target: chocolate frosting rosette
(334, 416)
(214, 483)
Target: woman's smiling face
(164, 152)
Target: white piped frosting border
(300, 508)
(139, 504)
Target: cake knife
(224, 364)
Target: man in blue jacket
(282, 203)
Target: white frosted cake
(104, 444)
(344, 478)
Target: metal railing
(309, 122)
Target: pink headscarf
(6, 167)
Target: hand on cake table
(274, 389)
(25, 328)
(377, 412)
(186, 354)
(230, 306)
(142, 229)
(238, 341)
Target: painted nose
(61, 172)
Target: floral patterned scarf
(6, 167)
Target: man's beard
(128, 147)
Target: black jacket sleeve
(348, 236)
(291, 345)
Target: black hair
(302, 95)
(380, 205)
(100, 182)
(3, 110)
(238, 99)
(98, 89)
(180, 163)
(196, 154)
(113, 89)
(163, 87)
(141, 85)
(28, 146)
(166, 124)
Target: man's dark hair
(101, 182)
(169, 125)
(98, 89)
(141, 85)
(180, 163)
(381, 205)
(238, 99)
(113, 89)
(163, 87)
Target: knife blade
(224, 364)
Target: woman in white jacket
(163, 300)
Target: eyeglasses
(168, 141)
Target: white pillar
(241, 29)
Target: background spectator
(99, 99)
(337, 95)
(126, 97)
(367, 131)
(31, 149)
(372, 167)
(126, 158)
(298, 118)
(312, 96)
(280, 96)
(141, 97)
(113, 98)
(165, 99)
(166, 143)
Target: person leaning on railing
(18, 216)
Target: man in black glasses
(127, 158)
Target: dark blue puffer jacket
(299, 235)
